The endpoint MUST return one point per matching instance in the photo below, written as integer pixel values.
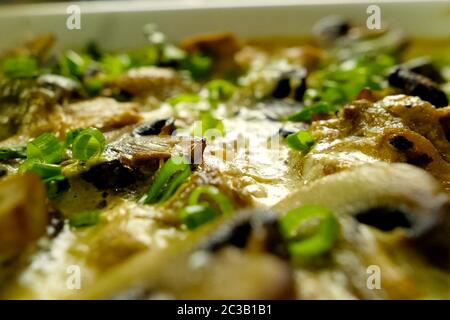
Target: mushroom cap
(398, 186)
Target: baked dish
(223, 168)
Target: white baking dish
(119, 24)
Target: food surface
(225, 168)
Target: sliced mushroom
(162, 126)
(425, 67)
(143, 81)
(102, 113)
(252, 229)
(291, 83)
(418, 85)
(415, 199)
(62, 87)
(131, 157)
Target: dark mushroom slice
(401, 143)
(62, 87)
(417, 85)
(385, 196)
(283, 132)
(110, 174)
(384, 218)
(13, 104)
(208, 264)
(291, 83)
(250, 228)
(162, 126)
(282, 89)
(132, 158)
(425, 67)
(330, 28)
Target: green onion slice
(20, 67)
(307, 112)
(85, 219)
(197, 215)
(55, 185)
(198, 65)
(72, 64)
(184, 98)
(167, 180)
(212, 192)
(87, 143)
(300, 141)
(44, 170)
(310, 230)
(220, 90)
(46, 148)
(70, 137)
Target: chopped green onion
(44, 170)
(207, 122)
(51, 175)
(93, 49)
(46, 148)
(175, 183)
(300, 141)
(87, 143)
(307, 112)
(85, 219)
(73, 64)
(146, 56)
(55, 185)
(115, 65)
(340, 82)
(185, 98)
(197, 215)
(93, 86)
(12, 153)
(310, 230)
(198, 65)
(220, 90)
(167, 180)
(70, 137)
(20, 67)
(212, 192)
